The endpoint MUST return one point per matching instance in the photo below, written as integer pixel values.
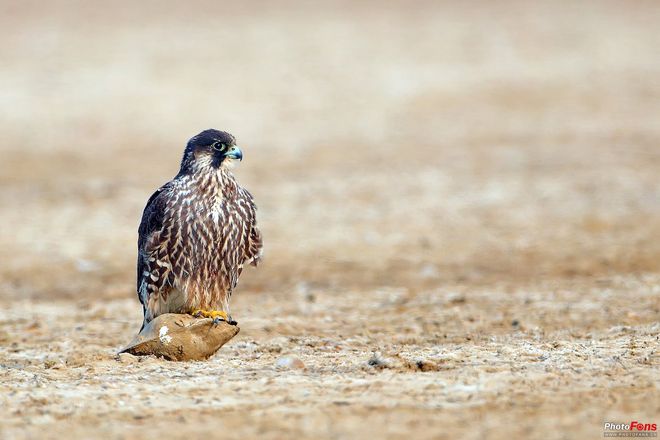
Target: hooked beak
(234, 153)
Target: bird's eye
(218, 146)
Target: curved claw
(217, 320)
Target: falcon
(196, 234)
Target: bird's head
(210, 149)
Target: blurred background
(384, 143)
(426, 150)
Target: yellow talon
(213, 314)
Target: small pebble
(126, 358)
(289, 363)
(50, 363)
(377, 361)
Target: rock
(50, 363)
(289, 363)
(377, 361)
(126, 358)
(423, 365)
(178, 337)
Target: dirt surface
(460, 207)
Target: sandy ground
(460, 205)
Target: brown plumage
(197, 232)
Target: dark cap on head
(219, 144)
(209, 137)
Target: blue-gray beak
(234, 153)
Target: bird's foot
(213, 314)
(217, 316)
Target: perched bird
(197, 232)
